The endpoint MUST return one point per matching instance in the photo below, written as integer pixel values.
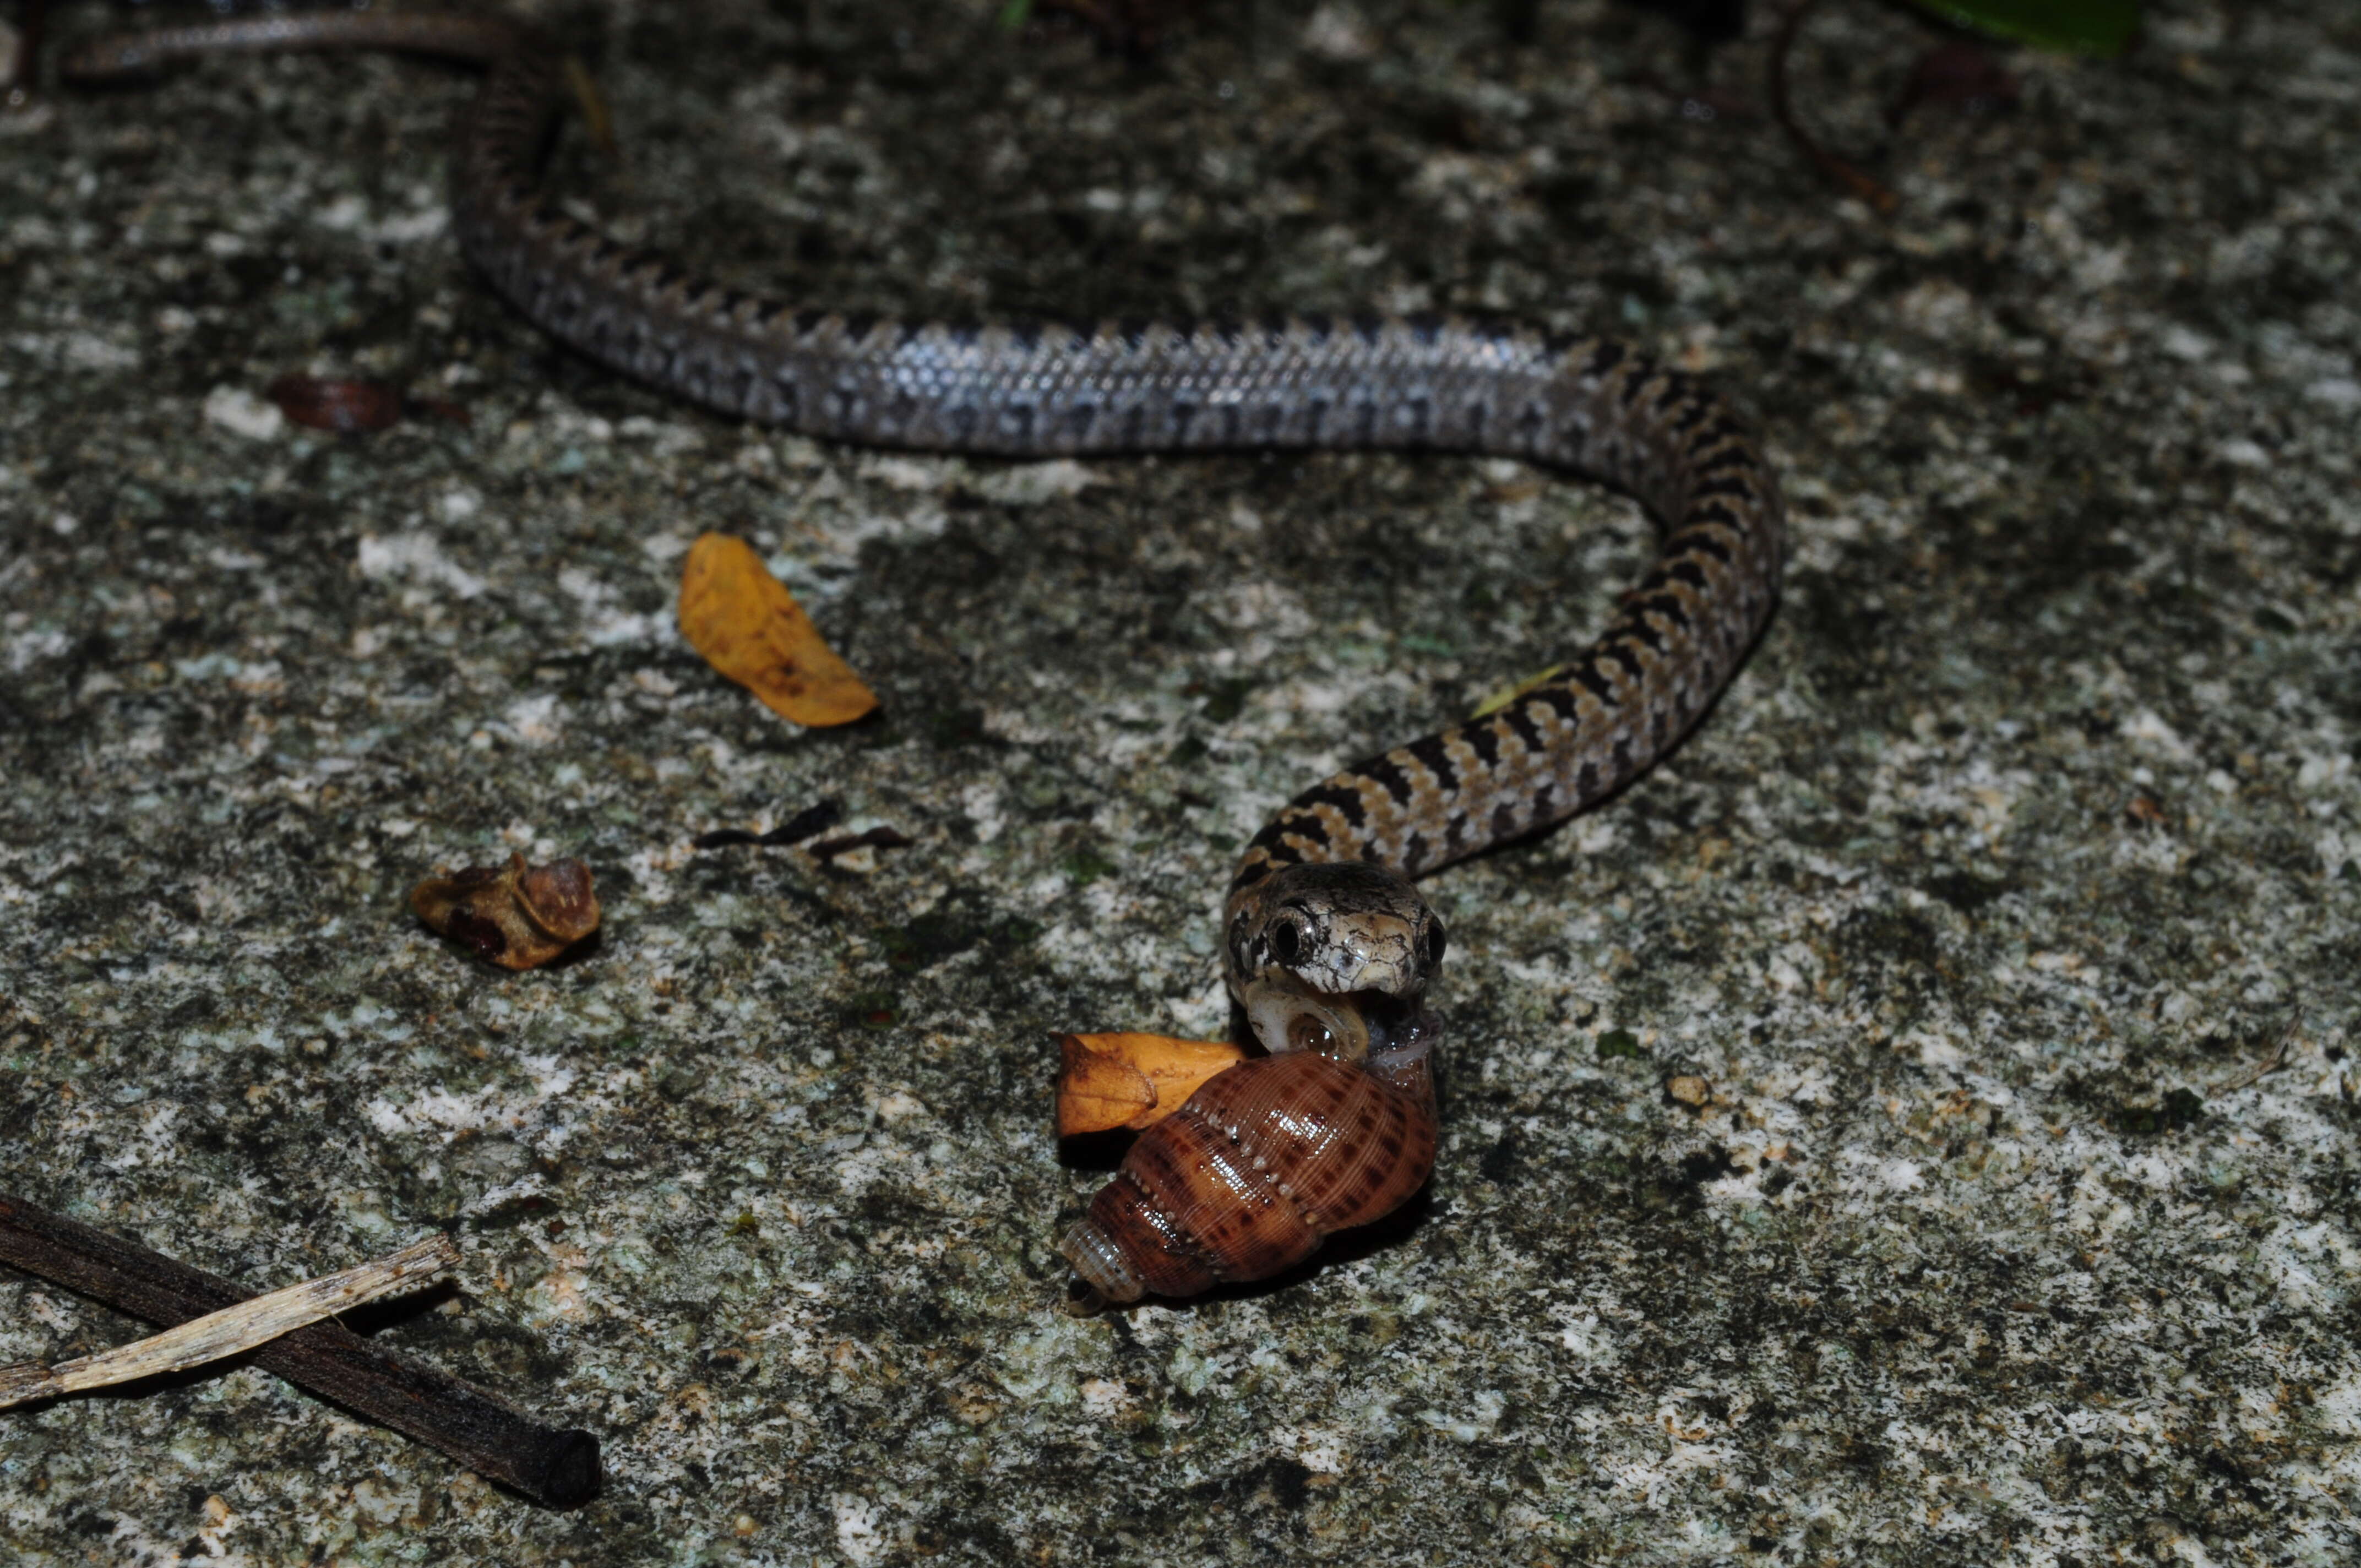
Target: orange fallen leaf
(1131, 1081)
(752, 629)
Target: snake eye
(1433, 944)
(1286, 941)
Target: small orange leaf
(1131, 1081)
(752, 629)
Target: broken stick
(555, 1467)
(232, 1330)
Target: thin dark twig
(1837, 169)
(558, 1468)
(808, 823)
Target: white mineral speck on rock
(2147, 725)
(345, 212)
(242, 413)
(918, 474)
(857, 1535)
(1037, 482)
(418, 556)
(1338, 32)
(535, 719)
(1102, 1397)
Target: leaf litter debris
(354, 408)
(1131, 1081)
(516, 916)
(748, 626)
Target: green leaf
(2070, 27)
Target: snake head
(1332, 958)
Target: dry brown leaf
(515, 916)
(1131, 1081)
(349, 408)
(752, 629)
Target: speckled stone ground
(2008, 909)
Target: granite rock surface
(1915, 1124)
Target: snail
(1336, 1128)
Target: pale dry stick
(558, 1467)
(234, 1329)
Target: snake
(1327, 944)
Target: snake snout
(1327, 957)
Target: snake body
(1327, 945)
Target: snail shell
(1260, 1164)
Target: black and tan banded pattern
(1442, 382)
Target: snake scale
(1328, 949)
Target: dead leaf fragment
(349, 408)
(1131, 1081)
(752, 629)
(515, 916)
(1689, 1090)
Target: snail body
(1258, 1167)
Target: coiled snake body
(1328, 948)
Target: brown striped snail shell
(1259, 1167)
